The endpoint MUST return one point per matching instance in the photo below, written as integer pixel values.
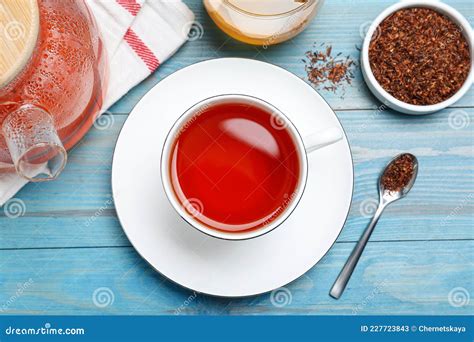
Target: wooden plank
(84, 229)
(97, 228)
(392, 278)
(339, 24)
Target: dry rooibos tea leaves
(328, 72)
(419, 56)
(399, 173)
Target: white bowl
(383, 95)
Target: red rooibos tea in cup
(234, 166)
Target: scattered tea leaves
(328, 72)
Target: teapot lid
(19, 27)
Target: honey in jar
(262, 22)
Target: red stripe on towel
(130, 5)
(142, 50)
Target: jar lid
(19, 26)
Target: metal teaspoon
(385, 198)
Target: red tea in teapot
(64, 75)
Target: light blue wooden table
(68, 244)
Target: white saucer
(203, 263)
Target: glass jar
(263, 22)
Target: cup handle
(322, 138)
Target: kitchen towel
(138, 36)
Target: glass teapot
(52, 83)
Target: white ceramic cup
(381, 93)
(304, 146)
